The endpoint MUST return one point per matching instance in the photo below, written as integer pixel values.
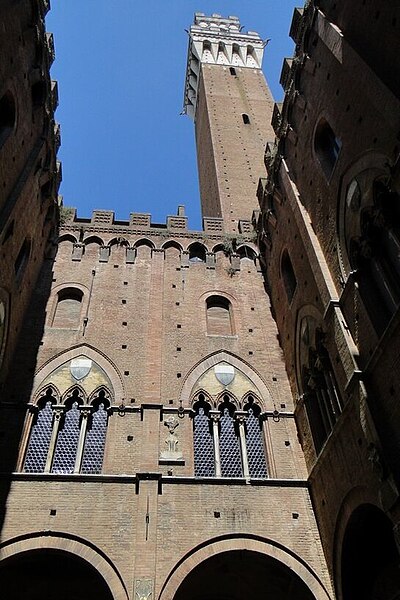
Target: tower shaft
(228, 97)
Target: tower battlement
(218, 40)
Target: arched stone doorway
(240, 574)
(370, 564)
(49, 573)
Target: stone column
(215, 415)
(58, 412)
(85, 412)
(240, 416)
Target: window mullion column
(32, 412)
(215, 415)
(85, 412)
(58, 411)
(240, 416)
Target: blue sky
(120, 65)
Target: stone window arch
(326, 147)
(219, 316)
(69, 437)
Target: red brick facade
(169, 428)
(327, 211)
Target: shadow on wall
(18, 385)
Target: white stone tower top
(218, 41)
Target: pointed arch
(47, 390)
(250, 398)
(202, 396)
(115, 377)
(224, 356)
(68, 436)
(227, 396)
(102, 392)
(75, 391)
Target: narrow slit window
(246, 119)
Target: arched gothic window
(375, 255)
(68, 438)
(254, 440)
(322, 400)
(228, 442)
(203, 440)
(95, 440)
(39, 442)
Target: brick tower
(151, 448)
(227, 95)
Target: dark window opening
(22, 259)
(197, 253)
(323, 403)
(38, 93)
(246, 119)
(7, 116)
(288, 276)
(327, 147)
(232, 71)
